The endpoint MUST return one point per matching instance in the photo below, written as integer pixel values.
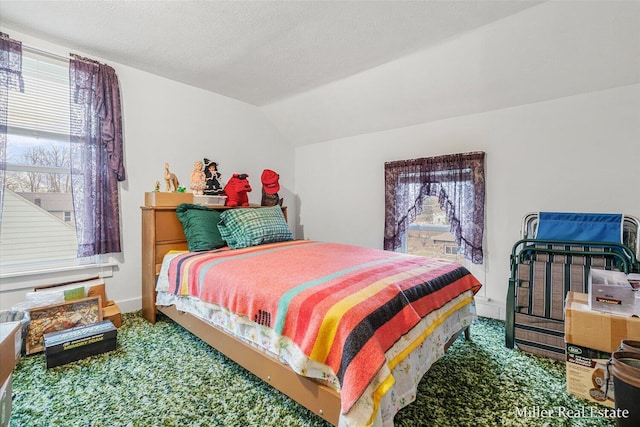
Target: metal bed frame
(543, 271)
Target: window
(451, 250)
(429, 234)
(37, 225)
(456, 182)
(61, 129)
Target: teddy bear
(236, 190)
(212, 185)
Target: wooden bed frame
(162, 232)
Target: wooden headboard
(161, 233)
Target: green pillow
(242, 228)
(200, 225)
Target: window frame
(24, 275)
(446, 177)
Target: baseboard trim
(486, 307)
(129, 305)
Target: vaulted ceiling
(259, 52)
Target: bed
(348, 333)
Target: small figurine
(170, 179)
(198, 178)
(213, 186)
(157, 187)
(270, 188)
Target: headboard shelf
(160, 198)
(162, 232)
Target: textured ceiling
(255, 51)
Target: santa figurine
(270, 188)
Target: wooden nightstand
(10, 346)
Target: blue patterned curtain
(10, 79)
(458, 182)
(96, 155)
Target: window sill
(28, 279)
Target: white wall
(578, 153)
(552, 50)
(166, 121)
(561, 133)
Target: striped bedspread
(343, 306)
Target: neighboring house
(431, 240)
(23, 223)
(429, 234)
(57, 204)
(446, 244)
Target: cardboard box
(77, 343)
(10, 346)
(112, 312)
(587, 375)
(591, 337)
(5, 402)
(594, 329)
(158, 198)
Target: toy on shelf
(198, 179)
(237, 189)
(270, 188)
(213, 186)
(170, 179)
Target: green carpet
(161, 375)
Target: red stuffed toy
(270, 188)
(237, 189)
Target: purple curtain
(96, 155)
(458, 182)
(10, 79)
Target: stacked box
(588, 376)
(112, 312)
(10, 345)
(5, 402)
(77, 343)
(611, 292)
(591, 338)
(158, 198)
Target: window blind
(42, 111)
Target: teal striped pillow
(242, 228)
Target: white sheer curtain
(458, 182)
